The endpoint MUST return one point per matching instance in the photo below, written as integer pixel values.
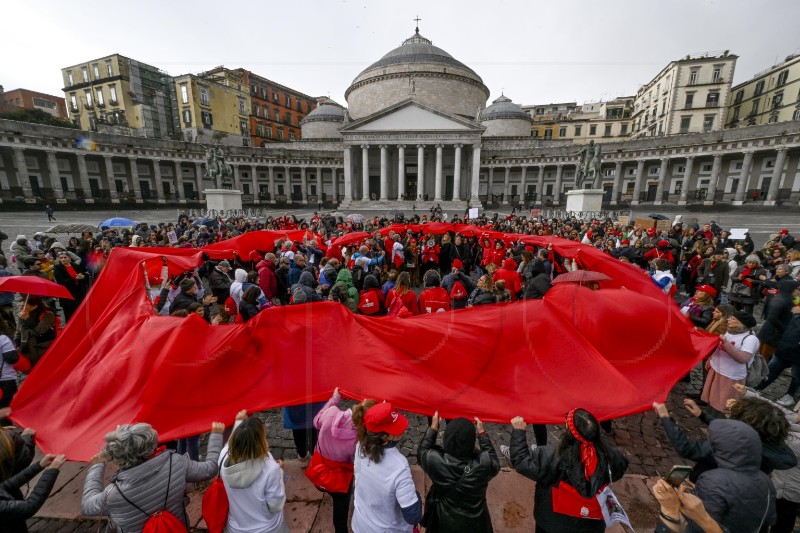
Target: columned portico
(420, 171)
(662, 179)
(775, 180)
(637, 185)
(365, 172)
(303, 185)
(23, 178)
(617, 183)
(506, 184)
(180, 195)
(156, 178)
(524, 185)
(438, 186)
(320, 191)
(712, 185)
(474, 200)
(540, 185)
(401, 172)
(198, 175)
(744, 177)
(687, 180)
(384, 172)
(271, 178)
(457, 175)
(557, 191)
(83, 176)
(55, 180)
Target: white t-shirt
(6, 345)
(724, 364)
(381, 491)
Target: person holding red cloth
(73, 277)
(568, 475)
(661, 251)
(401, 296)
(508, 273)
(493, 254)
(434, 298)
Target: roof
(503, 107)
(328, 111)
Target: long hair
(6, 455)
(569, 449)
(403, 284)
(248, 441)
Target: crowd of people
(396, 267)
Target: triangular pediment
(411, 116)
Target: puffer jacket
(21, 252)
(548, 469)
(337, 434)
(220, 284)
(146, 485)
(459, 485)
(737, 494)
(13, 509)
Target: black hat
(746, 318)
(459, 438)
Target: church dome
(325, 112)
(504, 118)
(323, 122)
(421, 71)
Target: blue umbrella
(117, 222)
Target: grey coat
(146, 486)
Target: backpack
(161, 521)
(458, 291)
(436, 306)
(215, 504)
(369, 303)
(757, 369)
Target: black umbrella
(657, 216)
(207, 222)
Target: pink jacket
(337, 435)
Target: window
(288, 101)
(100, 101)
(288, 118)
(796, 115)
(88, 96)
(85, 72)
(548, 133)
(736, 111)
(70, 81)
(717, 77)
(242, 109)
(777, 100)
(268, 132)
(291, 136)
(277, 115)
(782, 77)
(773, 118)
(706, 168)
(759, 88)
(607, 132)
(96, 71)
(257, 110)
(187, 117)
(243, 127)
(739, 96)
(280, 134)
(593, 130)
(693, 76)
(206, 118)
(577, 131)
(535, 133)
(708, 122)
(112, 91)
(259, 130)
(689, 100)
(686, 123)
(184, 93)
(39, 102)
(624, 130)
(562, 131)
(299, 106)
(109, 69)
(204, 95)
(712, 100)
(254, 88)
(73, 101)
(275, 96)
(755, 106)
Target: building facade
(772, 95)
(689, 95)
(120, 95)
(596, 121)
(26, 99)
(431, 140)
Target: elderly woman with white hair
(746, 287)
(148, 477)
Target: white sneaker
(787, 401)
(506, 451)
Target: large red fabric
(613, 351)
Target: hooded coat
(346, 277)
(737, 495)
(337, 434)
(537, 282)
(306, 285)
(508, 273)
(266, 278)
(237, 287)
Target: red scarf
(745, 273)
(588, 451)
(71, 271)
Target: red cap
(625, 242)
(530, 248)
(651, 231)
(707, 289)
(457, 263)
(383, 418)
(784, 232)
(663, 243)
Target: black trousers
(305, 440)
(341, 509)
(787, 512)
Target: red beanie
(458, 264)
(663, 243)
(707, 289)
(625, 242)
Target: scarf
(588, 451)
(745, 273)
(71, 271)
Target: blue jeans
(776, 367)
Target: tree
(36, 116)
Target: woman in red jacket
(403, 293)
(508, 273)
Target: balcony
(88, 105)
(73, 108)
(101, 105)
(113, 102)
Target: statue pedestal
(223, 199)
(583, 200)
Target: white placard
(473, 212)
(173, 237)
(738, 233)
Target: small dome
(503, 107)
(329, 111)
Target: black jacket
(547, 469)
(15, 511)
(788, 348)
(777, 317)
(459, 486)
(220, 284)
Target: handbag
(215, 504)
(328, 475)
(740, 289)
(757, 368)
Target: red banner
(613, 351)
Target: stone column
(617, 183)
(457, 175)
(23, 178)
(303, 186)
(712, 186)
(662, 180)
(401, 172)
(490, 186)
(288, 173)
(179, 195)
(523, 183)
(439, 184)
(475, 185)
(741, 190)
(557, 191)
(637, 185)
(540, 185)
(348, 174)
(420, 171)
(137, 190)
(365, 172)
(687, 180)
(506, 184)
(112, 183)
(198, 177)
(320, 195)
(55, 179)
(335, 182)
(254, 178)
(83, 175)
(775, 182)
(157, 178)
(272, 192)
(384, 173)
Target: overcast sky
(536, 52)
